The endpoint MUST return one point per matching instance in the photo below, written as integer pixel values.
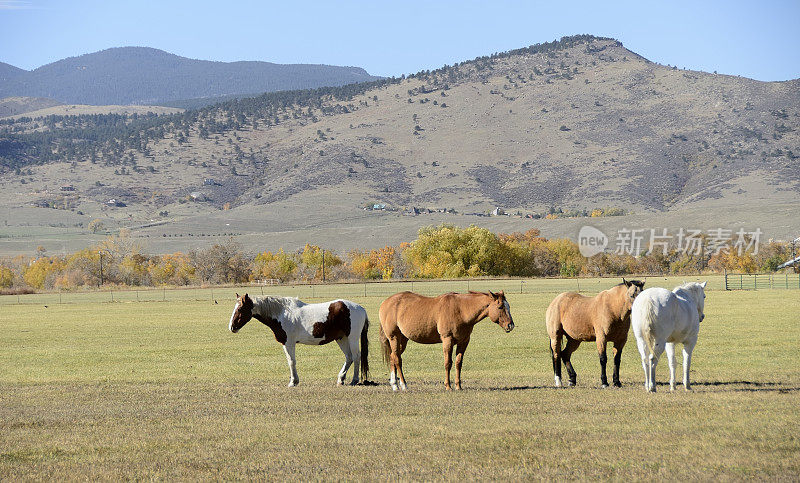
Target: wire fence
(355, 291)
(761, 281)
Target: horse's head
(699, 293)
(500, 311)
(632, 288)
(242, 313)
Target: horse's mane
(273, 305)
(689, 288)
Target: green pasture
(160, 389)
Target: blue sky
(760, 39)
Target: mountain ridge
(145, 75)
(578, 124)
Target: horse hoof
(292, 384)
(354, 383)
(394, 387)
(604, 386)
(617, 384)
(571, 383)
(340, 382)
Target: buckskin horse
(604, 318)
(447, 319)
(295, 322)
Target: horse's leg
(394, 361)
(617, 359)
(348, 359)
(670, 350)
(288, 348)
(555, 352)
(688, 347)
(566, 354)
(461, 347)
(601, 351)
(401, 346)
(644, 353)
(355, 357)
(658, 349)
(447, 347)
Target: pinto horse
(604, 318)
(447, 319)
(295, 322)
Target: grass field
(161, 389)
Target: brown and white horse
(447, 319)
(604, 318)
(295, 322)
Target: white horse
(660, 319)
(295, 322)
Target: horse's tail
(365, 350)
(648, 326)
(387, 348)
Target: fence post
(112, 295)
(164, 294)
(740, 281)
(365, 289)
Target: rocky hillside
(575, 124)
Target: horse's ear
(704, 284)
(246, 297)
(494, 295)
(627, 283)
(237, 295)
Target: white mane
(689, 289)
(272, 306)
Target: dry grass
(162, 390)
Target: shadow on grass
(739, 386)
(747, 386)
(519, 388)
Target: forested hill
(578, 123)
(141, 75)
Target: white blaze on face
(230, 324)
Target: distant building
(498, 212)
(67, 187)
(116, 203)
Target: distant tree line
(444, 251)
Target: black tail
(365, 350)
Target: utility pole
(323, 265)
(101, 264)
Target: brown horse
(447, 319)
(604, 318)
